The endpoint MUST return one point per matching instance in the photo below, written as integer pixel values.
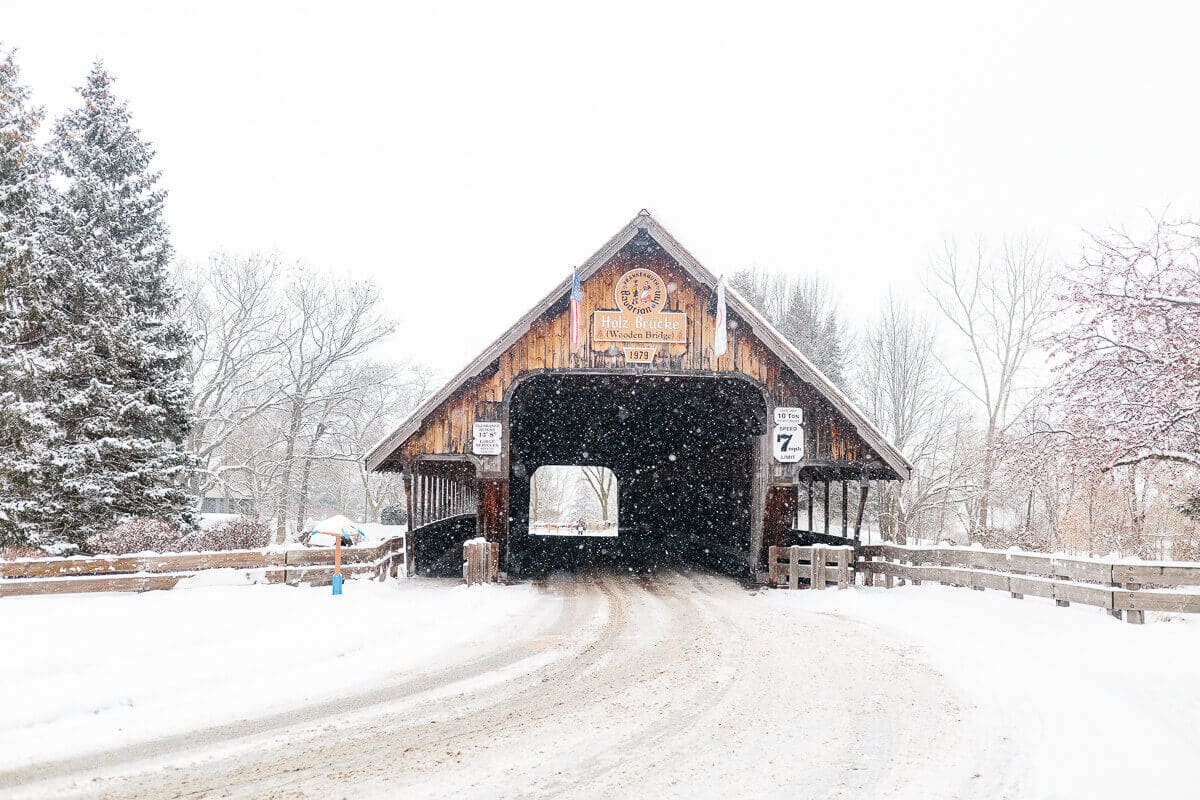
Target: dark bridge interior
(682, 452)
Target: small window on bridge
(573, 501)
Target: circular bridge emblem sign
(639, 318)
(641, 291)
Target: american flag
(576, 299)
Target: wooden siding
(830, 438)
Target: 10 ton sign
(788, 435)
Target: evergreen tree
(802, 309)
(833, 355)
(121, 394)
(25, 430)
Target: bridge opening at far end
(631, 472)
(573, 501)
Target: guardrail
(1129, 588)
(142, 573)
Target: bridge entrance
(681, 449)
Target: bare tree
(901, 386)
(234, 313)
(550, 490)
(601, 481)
(999, 304)
(351, 426)
(331, 324)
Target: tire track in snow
(676, 685)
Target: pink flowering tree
(1127, 389)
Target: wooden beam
(845, 512)
(825, 530)
(415, 520)
(427, 499)
(810, 504)
(409, 553)
(862, 504)
(758, 501)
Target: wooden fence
(1118, 587)
(815, 564)
(143, 573)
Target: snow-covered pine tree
(25, 431)
(833, 353)
(121, 397)
(803, 309)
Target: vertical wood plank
(810, 504)
(817, 566)
(845, 512)
(825, 530)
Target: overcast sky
(466, 156)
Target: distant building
(226, 505)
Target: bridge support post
(492, 519)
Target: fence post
(794, 567)
(843, 568)
(817, 566)
(1132, 616)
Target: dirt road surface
(678, 685)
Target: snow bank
(95, 671)
(1095, 707)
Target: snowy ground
(675, 686)
(94, 671)
(1097, 708)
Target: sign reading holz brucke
(639, 317)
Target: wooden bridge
(737, 443)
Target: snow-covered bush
(137, 535)
(10, 551)
(240, 533)
(145, 534)
(1003, 538)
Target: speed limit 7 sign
(788, 435)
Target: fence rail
(1119, 587)
(163, 571)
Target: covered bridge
(713, 457)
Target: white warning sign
(788, 435)
(789, 416)
(487, 438)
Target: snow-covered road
(681, 685)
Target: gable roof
(784, 350)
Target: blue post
(337, 584)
